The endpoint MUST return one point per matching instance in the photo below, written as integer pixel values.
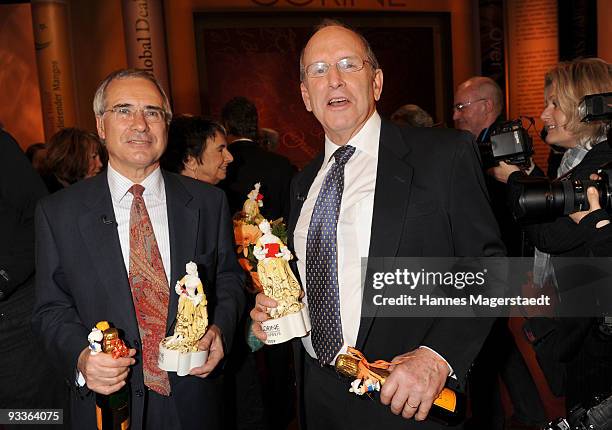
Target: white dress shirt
(354, 224)
(154, 196)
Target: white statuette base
(172, 360)
(285, 328)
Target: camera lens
(541, 199)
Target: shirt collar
(366, 140)
(119, 185)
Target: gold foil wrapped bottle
(447, 409)
(113, 410)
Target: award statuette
(265, 256)
(448, 408)
(179, 353)
(289, 318)
(112, 410)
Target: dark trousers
(501, 357)
(160, 412)
(275, 366)
(27, 380)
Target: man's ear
(100, 127)
(377, 84)
(305, 97)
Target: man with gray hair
(412, 116)
(478, 104)
(110, 248)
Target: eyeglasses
(460, 106)
(152, 115)
(345, 65)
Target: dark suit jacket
(430, 201)
(82, 280)
(20, 189)
(252, 164)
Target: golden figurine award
(264, 247)
(179, 353)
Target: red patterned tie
(149, 289)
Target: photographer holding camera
(478, 109)
(596, 222)
(574, 346)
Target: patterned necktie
(150, 291)
(322, 262)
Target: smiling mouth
(338, 101)
(550, 127)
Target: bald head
(478, 103)
(341, 98)
(369, 53)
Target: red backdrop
(261, 63)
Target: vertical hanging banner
(54, 63)
(145, 42)
(492, 60)
(532, 46)
(578, 19)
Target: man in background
(27, 378)
(478, 109)
(255, 164)
(252, 163)
(412, 116)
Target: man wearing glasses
(478, 104)
(478, 109)
(112, 247)
(377, 190)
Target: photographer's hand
(502, 171)
(593, 198)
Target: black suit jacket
(20, 189)
(252, 164)
(430, 200)
(82, 279)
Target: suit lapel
(183, 225)
(393, 182)
(99, 231)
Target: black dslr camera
(596, 107)
(510, 142)
(598, 417)
(541, 199)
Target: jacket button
(139, 392)
(136, 344)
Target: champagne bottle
(113, 410)
(448, 408)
